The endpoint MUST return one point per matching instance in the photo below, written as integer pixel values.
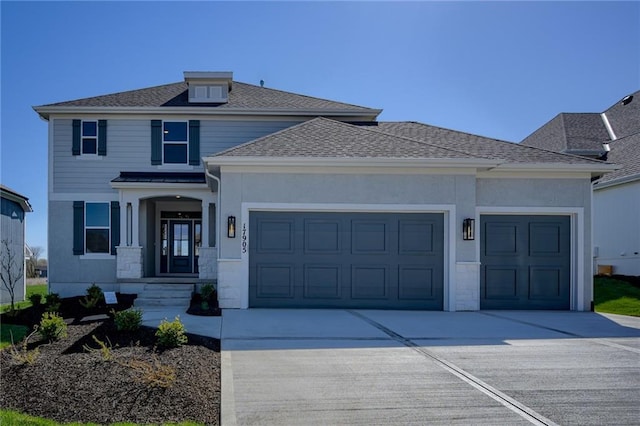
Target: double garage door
(346, 260)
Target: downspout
(217, 179)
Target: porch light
(231, 227)
(469, 229)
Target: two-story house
(293, 201)
(613, 136)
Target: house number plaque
(244, 238)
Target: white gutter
(614, 182)
(45, 111)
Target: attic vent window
(208, 93)
(627, 100)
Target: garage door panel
(545, 282)
(415, 283)
(321, 236)
(416, 237)
(275, 280)
(322, 281)
(369, 282)
(503, 282)
(275, 236)
(525, 262)
(369, 237)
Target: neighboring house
(293, 201)
(12, 242)
(613, 135)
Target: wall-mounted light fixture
(469, 229)
(231, 227)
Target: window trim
(185, 143)
(87, 227)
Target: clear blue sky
(499, 69)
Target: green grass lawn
(31, 289)
(613, 296)
(13, 418)
(7, 330)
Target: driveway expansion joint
(510, 403)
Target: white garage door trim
(449, 211)
(576, 214)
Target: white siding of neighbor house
(616, 227)
(129, 149)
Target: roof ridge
(425, 142)
(498, 140)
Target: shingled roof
(325, 138)
(242, 96)
(625, 152)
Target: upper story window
(97, 227)
(175, 142)
(89, 137)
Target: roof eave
(17, 198)
(618, 181)
(45, 111)
(596, 169)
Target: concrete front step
(164, 294)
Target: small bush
(52, 326)
(127, 320)
(153, 374)
(208, 292)
(103, 348)
(53, 302)
(93, 297)
(36, 299)
(171, 334)
(24, 356)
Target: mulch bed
(68, 383)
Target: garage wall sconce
(231, 227)
(469, 229)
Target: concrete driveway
(333, 367)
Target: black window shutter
(115, 226)
(76, 138)
(156, 142)
(102, 137)
(78, 227)
(194, 142)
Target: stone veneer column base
(129, 262)
(208, 263)
(467, 286)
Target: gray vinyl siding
(64, 267)
(12, 230)
(129, 149)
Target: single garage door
(525, 262)
(346, 260)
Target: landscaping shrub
(24, 356)
(128, 320)
(53, 302)
(208, 292)
(171, 334)
(36, 299)
(52, 326)
(93, 297)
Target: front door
(181, 247)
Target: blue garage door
(525, 262)
(346, 260)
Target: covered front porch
(169, 227)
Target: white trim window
(97, 228)
(175, 142)
(89, 137)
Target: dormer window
(208, 87)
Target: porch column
(135, 226)
(205, 224)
